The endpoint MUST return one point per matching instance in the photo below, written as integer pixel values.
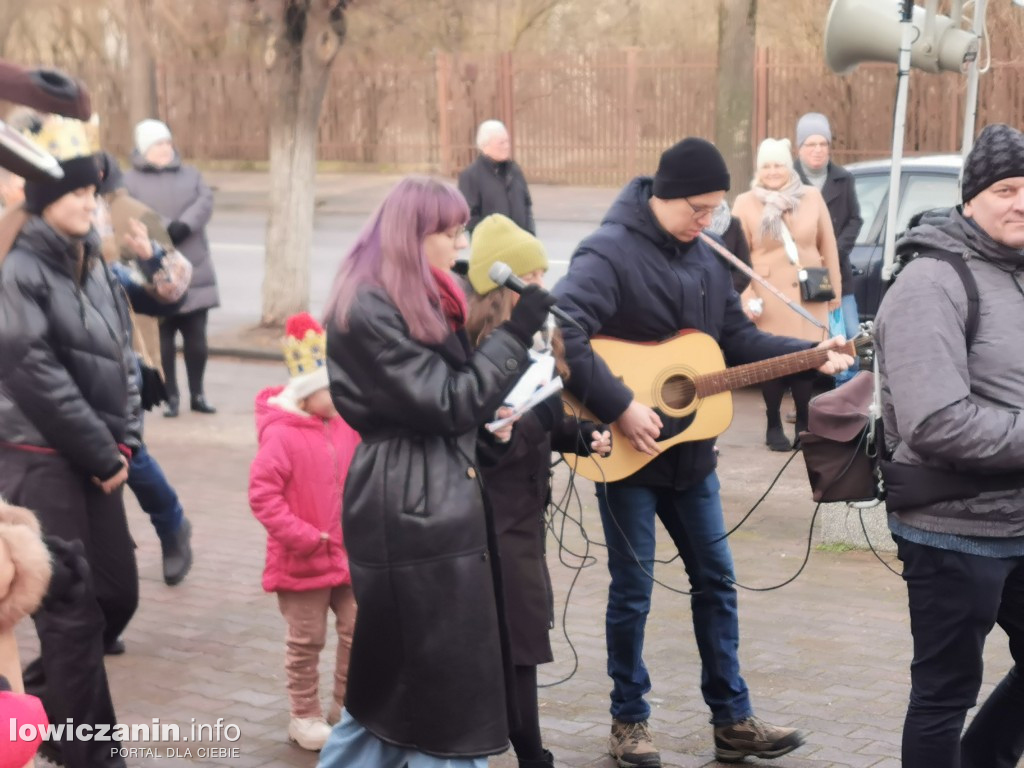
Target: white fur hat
(148, 133)
(775, 152)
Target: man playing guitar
(643, 276)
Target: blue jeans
(851, 319)
(155, 495)
(693, 518)
(350, 745)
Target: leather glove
(178, 231)
(70, 570)
(530, 313)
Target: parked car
(926, 182)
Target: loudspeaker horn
(869, 30)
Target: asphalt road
(237, 242)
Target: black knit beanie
(997, 154)
(79, 172)
(691, 167)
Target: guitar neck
(756, 373)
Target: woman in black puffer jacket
(69, 420)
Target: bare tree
(302, 40)
(142, 100)
(734, 119)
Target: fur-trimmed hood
(21, 595)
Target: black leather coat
(67, 378)
(427, 668)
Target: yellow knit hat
(498, 238)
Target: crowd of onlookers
(402, 483)
(96, 264)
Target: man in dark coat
(643, 276)
(815, 166)
(494, 183)
(952, 395)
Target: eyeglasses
(700, 211)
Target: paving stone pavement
(829, 652)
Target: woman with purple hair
(427, 678)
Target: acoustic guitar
(686, 382)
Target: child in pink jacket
(295, 490)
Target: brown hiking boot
(754, 738)
(632, 746)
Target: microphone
(502, 274)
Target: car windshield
(921, 192)
(925, 191)
(871, 192)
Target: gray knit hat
(812, 124)
(997, 154)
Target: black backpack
(956, 261)
(843, 464)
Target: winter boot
(177, 553)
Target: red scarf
(453, 300)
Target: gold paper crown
(92, 133)
(63, 137)
(305, 345)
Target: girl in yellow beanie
(517, 474)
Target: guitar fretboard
(756, 373)
(680, 392)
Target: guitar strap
(724, 252)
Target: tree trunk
(299, 57)
(142, 98)
(735, 114)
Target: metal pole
(971, 97)
(908, 33)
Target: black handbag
(816, 285)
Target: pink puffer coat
(295, 489)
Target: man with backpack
(952, 380)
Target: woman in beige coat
(777, 202)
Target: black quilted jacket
(65, 352)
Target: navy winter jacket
(632, 280)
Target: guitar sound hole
(678, 391)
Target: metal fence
(594, 119)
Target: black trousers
(773, 391)
(192, 326)
(525, 738)
(955, 600)
(70, 677)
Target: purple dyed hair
(389, 255)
